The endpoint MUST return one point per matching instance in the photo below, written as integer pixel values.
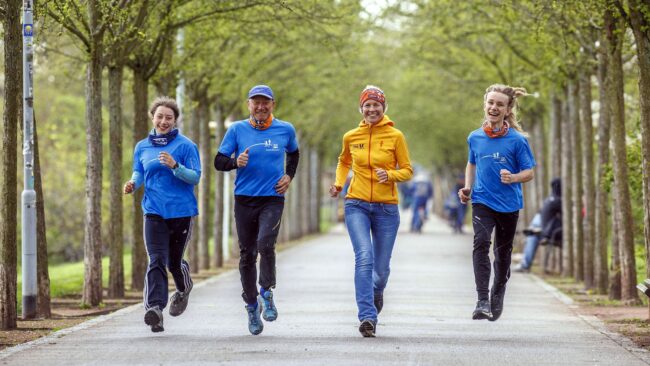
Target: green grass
(68, 278)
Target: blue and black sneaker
(255, 325)
(269, 311)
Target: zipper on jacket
(369, 161)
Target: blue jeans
(373, 229)
(532, 242)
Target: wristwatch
(175, 166)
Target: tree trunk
(601, 271)
(576, 177)
(8, 179)
(234, 244)
(588, 177)
(218, 197)
(194, 251)
(315, 195)
(204, 183)
(567, 237)
(541, 180)
(140, 130)
(615, 270)
(641, 27)
(615, 29)
(43, 298)
(92, 289)
(556, 136)
(115, 237)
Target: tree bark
(615, 269)
(218, 197)
(116, 231)
(567, 237)
(541, 181)
(588, 178)
(576, 177)
(602, 210)
(641, 28)
(556, 136)
(8, 179)
(43, 299)
(140, 130)
(92, 290)
(194, 251)
(615, 30)
(204, 183)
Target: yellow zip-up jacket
(366, 148)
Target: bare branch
(70, 27)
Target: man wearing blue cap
(260, 145)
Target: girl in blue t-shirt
(169, 166)
(499, 161)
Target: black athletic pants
(485, 221)
(258, 224)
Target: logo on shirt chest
(268, 145)
(358, 146)
(496, 157)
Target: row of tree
(434, 59)
(573, 55)
(217, 50)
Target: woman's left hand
(382, 175)
(166, 159)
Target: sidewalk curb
(89, 323)
(594, 322)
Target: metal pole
(28, 196)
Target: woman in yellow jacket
(378, 156)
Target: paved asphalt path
(426, 318)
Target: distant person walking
(260, 145)
(422, 193)
(377, 154)
(499, 161)
(168, 164)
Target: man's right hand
(242, 159)
(464, 195)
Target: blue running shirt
(265, 158)
(165, 194)
(490, 155)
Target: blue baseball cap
(261, 90)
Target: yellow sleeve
(343, 165)
(405, 171)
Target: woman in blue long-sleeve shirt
(168, 164)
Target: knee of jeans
(247, 256)
(266, 250)
(363, 259)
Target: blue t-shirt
(490, 155)
(265, 158)
(165, 194)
